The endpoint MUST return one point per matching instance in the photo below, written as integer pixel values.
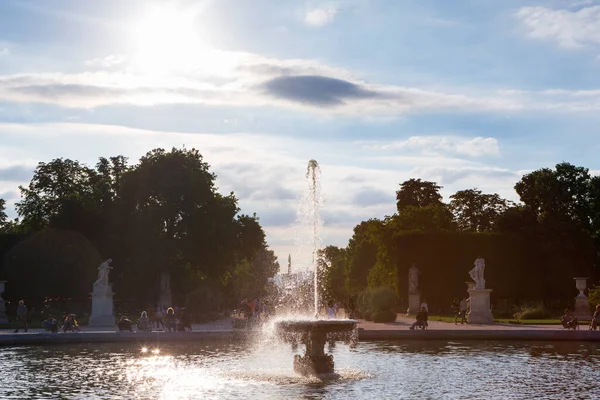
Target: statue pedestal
(414, 302)
(479, 312)
(582, 308)
(102, 307)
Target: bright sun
(167, 40)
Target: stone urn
(580, 284)
(582, 307)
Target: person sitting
(50, 324)
(170, 320)
(421, 321)
(143, 323)
(70, 324)
(124, 324)
(595, 319)
(568, 320)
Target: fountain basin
(314, 334)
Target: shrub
(383, 299)
(384, 316)
(535, 311)
(594, 297)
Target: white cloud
(250, 80)
(570, 29)
(320, 16)
(106, 62)
(435, 145)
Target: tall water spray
(309, 224)
(313, 173)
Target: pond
(370, 370)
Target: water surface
(373, 370)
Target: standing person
(331, 309)
(456, 310)
(464, 307)
(21, 315)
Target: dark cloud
(316, 90)
(371, 197)
(16, 173)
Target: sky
(466, 93)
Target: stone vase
(582, 305)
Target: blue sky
(468, 93)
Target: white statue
(103, 271)
(413, 278)
(477, 273)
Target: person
(70, 324)
(464, 307)
(124, 324)
(143, 323)
(421, 321)
(50, 324)
(331, 309)
(21, 315)
(170, 321)
(424, 305)
(595, 318)
(351, 311)
(568, 320)
(456, 310)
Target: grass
(549, 321)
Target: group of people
(69, 324)
(163, 319)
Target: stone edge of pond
(16, 339)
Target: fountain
(314, 333)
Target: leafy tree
(433, 217)
(332, 265)
(362, 253)
(59, 195)
(418, 193)
(475, 211)
(3, 216)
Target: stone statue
(413, 278)
(477, 273)
(103, 271)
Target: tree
(434, 217)
(175, 221)
(418, 193)
(57, 195)
(3, 216)
(362, 253)
(475, 211)
(332, 268)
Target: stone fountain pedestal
(3, 317)
(313, 334)
(102, 306)
(479, 305)
(414, 302)
(582, 305)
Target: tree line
(533, 248)
(161, 215)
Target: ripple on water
(419, 369)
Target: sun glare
(168, 40)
